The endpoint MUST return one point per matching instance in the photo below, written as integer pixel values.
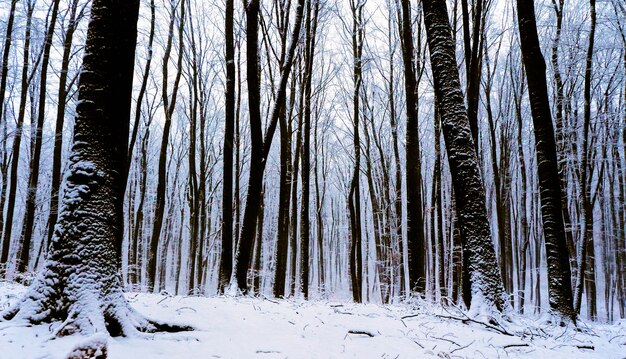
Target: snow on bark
(80, 284)
(484, 275)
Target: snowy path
(257, 328)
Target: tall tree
(282, 231)
(414, 210)
(482, 269)
(559, 281)
(28, 222)
(354, 196)
(260, 146)
(169, 105)
(17, 139)
(80, 283)
(226, 261)
(586, 242)
(4, 71)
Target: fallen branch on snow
(362, 332)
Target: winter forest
(460, 157)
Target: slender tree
(169, 105)
(586, 242)
(226, 261)
(259, 146)
(28, 221)
(17, 139)
(414, 211)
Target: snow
(245, 327)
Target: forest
(468, 153)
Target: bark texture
(484, 275)
(80, 283)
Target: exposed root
(88, 318)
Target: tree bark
(484, 275)
(80, 283)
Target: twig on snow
(586, 347)
(487, 325)
(516, 345)
(463, 347)
(362, 332)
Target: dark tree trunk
(226, 259)
(169, 105)
(80, 283)
(305, 230)
(586, 174)
(28, 222)
(482, 269)
(354, 196)
(259, 146)
(17, 140)
(559, 276)
(414, 211)
(3, 86)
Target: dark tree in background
(80, 283)
(226, 262)
(414, 207)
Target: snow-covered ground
(243, 327)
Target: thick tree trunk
(550, 188)
(484, 275)
(80, 283)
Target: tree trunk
(17, 140)
(354, 196)
(415, 222)
(226, 259)
(484, 276)
(80, 283)
(169, 104)
(3, 86)
(585, 172)
(259, 146)
(28, 222)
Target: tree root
(119, 320)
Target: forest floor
(245, 327)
